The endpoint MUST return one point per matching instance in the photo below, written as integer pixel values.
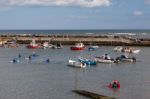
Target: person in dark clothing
(19, 56)
(30, 58)
(48, 60)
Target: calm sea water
(133, 31)
(137, 33)
(38, 80)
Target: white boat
(103, 60)
(93, 47)
(136, 51)
(130, 50)
(118, 48)
(126, 49)
(76, 64)
(45, 45)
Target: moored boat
(78, 46)
(103, 60)
(76, 64)
(87, 61)
(130, 50)
(93, 47)
(33, 45)
(118, 49)
(126, 58)
(126, 49)
(45, 45)
(57, 46)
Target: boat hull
(104, 60)
(76, 64)
(32, 47)
(126, 59)
(77, 48)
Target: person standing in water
(48, 60)
(19, 56)
(30, 58)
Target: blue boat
(87, 61)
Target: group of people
(30, 57)
(35, 55)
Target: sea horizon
(74, 30)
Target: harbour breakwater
(111, 40)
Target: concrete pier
(72, 39)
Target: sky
(74, 14)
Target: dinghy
(76, 64)
(87, 61)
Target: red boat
(78, 46)
(33, 45)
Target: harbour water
(38, 80)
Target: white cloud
(137, 13)
(82, 3)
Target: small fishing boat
(12, 44)
(103, 60)
(45, 45)
(126, 49)
(93, 47)
(118, 49)
(78, 46)
(76, 64)
(87, 61)
(33, 45)
(126, 58)
(130, 50)
(57, 46)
